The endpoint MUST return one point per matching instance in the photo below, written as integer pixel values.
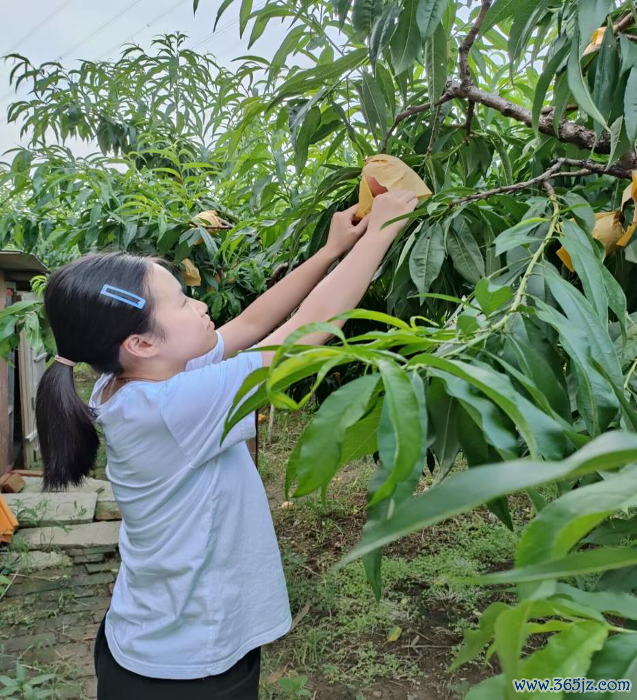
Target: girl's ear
(140, 346)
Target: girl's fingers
(361, 226)
(350, 211)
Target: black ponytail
(88, 327)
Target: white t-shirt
(201, 581)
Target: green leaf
(568, 653)
(596, 401)
(304, 136)
(525, 21)
(491, 297)
(436, 62)
(464, 252)
(195, 5)
(319, 455)
(428, 16)
(499, 11)
(591, 14)
(427, 257)
(630, 105)
(476, 639)
(222, 8)
(497, 430)
(578, 86)
(466, 490)
(320, 77)
(244, 15)
(550, 68)
(588, 561)
(443, 410)
(541, 433)
(290, 43)
(606, 75)
(360, 439)
(610, 602)
(404, 414)
(382, 32)
(373, 106)
(518, 235)
(364, 14)
(406, 43)
(581, 312)
(616, 660)
(564, 522)
(342, 8)
(588, 267)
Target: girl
(201, 585)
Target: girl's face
(188, 329)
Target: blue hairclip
(122, 295)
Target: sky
(71, 30)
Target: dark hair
(88, 327)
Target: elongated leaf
(427, 257)
(342, 8)
(492, 297)
(466, 490)
(304, 136)
(550, 68)
(568, 653)
(588, 268)
(541, 433)
(591, 14)
(630, 105)
(611, 602)
(606, 75)
(406, 43)
(317, 78)
(588, 561)
(321, 442)
(464, 252)
(563, 522)
(499, 11)
(244, 15)
(289, 44)
(428, 16)
(578, 86)
(520, 234)
(436, 62)
(222, 8)
(382, 32)
(616, 660)
(595, 399)
(525, 21)
(373, 105)
(360, 439)
(497, 430)
(364, 14)
(443, 410)
(404, 414)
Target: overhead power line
(32, 31)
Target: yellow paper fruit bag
(383, 173)
(191, 276)
(609, 228)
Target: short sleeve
(196, 403)
(210, 358)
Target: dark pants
(240, 682)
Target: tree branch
(410, 113)
(465, 47)
(587, 168)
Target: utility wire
(41, 24)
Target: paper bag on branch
(383, 173)
(609, 227)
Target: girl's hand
(388, 206)
(344, 233)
